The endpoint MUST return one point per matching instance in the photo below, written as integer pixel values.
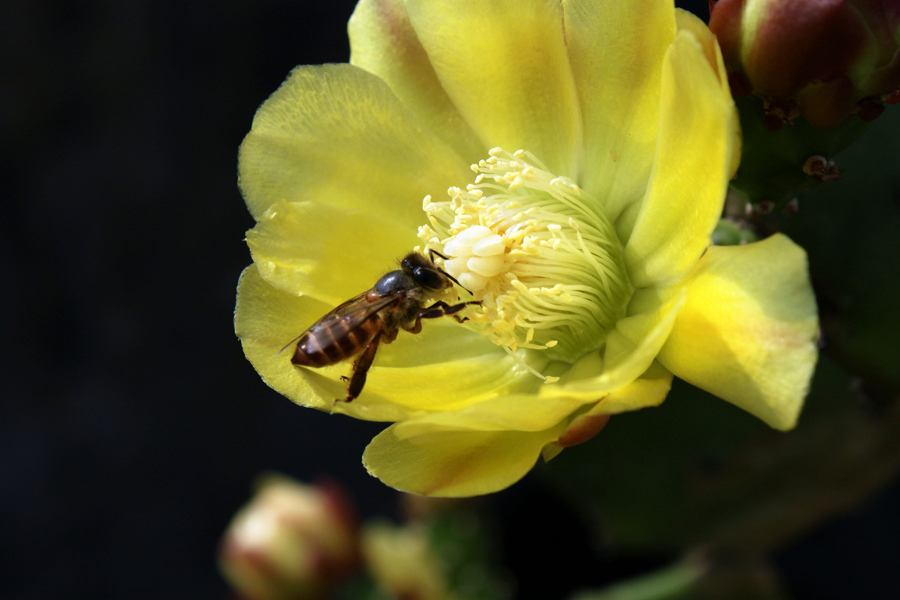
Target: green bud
(732, 233)
(292, 541)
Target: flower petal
(504, 65)
(383, 42)
(690, 22)
(748, 330)
(616, 50)
(527, 411)
(337, 134)
(265, 319)
(445, 367)
(445, 381)
(693, 163)
(650, 389)
(453, 463)
(630, 348)
(314, 248)
(713, 53)
(508, 412)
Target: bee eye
(429, 278)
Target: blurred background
(134, 428)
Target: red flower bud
(824, 56)
(292, 542)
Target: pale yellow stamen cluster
(478, 255)
(536, 251)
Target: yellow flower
(602, 136)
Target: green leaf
(697, 578)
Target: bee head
(424, 272)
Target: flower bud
(402, 562)
(824, 59)
(292, 541)
(729, 232)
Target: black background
(133, 425)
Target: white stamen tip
(471, 234)
(491, 245)
(486, 266)
(472, 282)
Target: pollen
(538, 253)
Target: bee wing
(354, 311)
(357, 309)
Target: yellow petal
(508, 412)
(445, 367)
(630, 348)
(616, 50)
(691, 169)
(650, 389)
(441, 380)
(504, 65)
(748, 330)
(688, 21)
(337, 134)
(315, 248)
(383, 42)
(527, 411)
(265, 319)
(453, 463)
(713, 53)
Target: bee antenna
(456, 281)
(431, 254)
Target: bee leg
(361, 369)
(416, 326)
(439, 309)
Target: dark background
(133, 425)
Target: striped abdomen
(333, 340)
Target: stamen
(537, 252)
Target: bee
(376, 316)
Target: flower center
(537, 252)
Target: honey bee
(359, 325)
